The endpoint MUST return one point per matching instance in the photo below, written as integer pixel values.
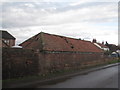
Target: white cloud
(28, 16)
(84, 31)
(29, 5)
(79, 2)
(58, 0)
(97, 21)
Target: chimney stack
(94, 41)
(103, 42)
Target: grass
(114, 61)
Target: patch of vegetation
(114, 61)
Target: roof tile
(51, 42)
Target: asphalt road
(105, 78)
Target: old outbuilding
(6, 39)
(59, 52)
(56, 43)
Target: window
(7, 41)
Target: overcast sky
(72, 18)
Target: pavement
(39, 83)
(104, 78)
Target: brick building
(101, 45)
(58, 52)
(6, 39)
(48, 53)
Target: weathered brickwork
(51, 62)
(18, 63)
(27, 62)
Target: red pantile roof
(52, 42)
(103, 46)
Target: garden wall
(17, 62)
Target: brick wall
(26, 62)
(12, 43)
(50, 62)
(18, 63)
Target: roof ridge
(2, 30)
(65, 37)
(7, 35)
(52, 42)
(29, 39)
(41, 34)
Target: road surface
(104, 78)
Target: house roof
(51, 42)
(102, 45)
(6, 35)
(112, 47)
